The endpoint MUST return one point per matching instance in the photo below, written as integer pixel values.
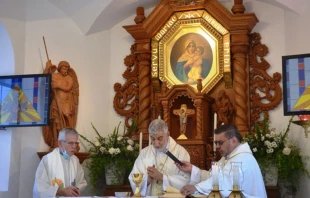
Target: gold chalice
(137, 178)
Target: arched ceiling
(93, 16)
(97, 15)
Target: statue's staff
(45, 49)
(51, 68)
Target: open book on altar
(173, 192)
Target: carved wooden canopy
(254, 91)
(251, 93)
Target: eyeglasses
(71, 143)
(220, 143)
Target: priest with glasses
(228, 143)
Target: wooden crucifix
(183, 112)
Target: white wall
(98, 61)
(7, 68)
(11, 55)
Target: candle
(235, 175)
(149, 140)
(159, 117)
(215, 121)
(214, 125)
(215, 173)
(140, 142)
(214, 145)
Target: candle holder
(304, 124)
(236, 176)
(215, 193)
(304, 117)
(236, 193)
(216, 175)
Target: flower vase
(114, 176)
(270, 175)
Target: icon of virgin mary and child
(191, 65)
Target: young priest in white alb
(228, 142)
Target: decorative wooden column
(142, 53)
(239, 51)
(144, 89)
(198, 104)
(166, 112)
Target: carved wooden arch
(179, 95)
(139, 95)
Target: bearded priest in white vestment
(59, 172)
(158, 169)
(228, 143)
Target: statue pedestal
(182, 137)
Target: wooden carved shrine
(200, 54)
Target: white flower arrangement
(118, 150)
(271, 148)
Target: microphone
(172, 157)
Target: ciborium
(137, 178)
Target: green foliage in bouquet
(271, 148)
(117, 150)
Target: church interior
(123, 56)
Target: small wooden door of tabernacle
(199, 124)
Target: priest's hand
(187, 166)
(149, 178)
(70, 191)
(188, 189)
(154, 173)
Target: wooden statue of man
(183, 112)
(64, 101)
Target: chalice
(137, 178)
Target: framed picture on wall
(192, 46)
(296, 84)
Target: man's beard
(162, 148)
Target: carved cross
(183, 112)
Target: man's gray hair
(158, 125)
(67, 131)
